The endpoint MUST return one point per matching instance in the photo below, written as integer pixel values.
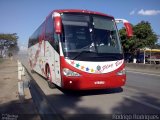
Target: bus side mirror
(129, 30)
(127, 25)
(57, 23)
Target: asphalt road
(140, 95)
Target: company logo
(98, 67)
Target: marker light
(57, 23)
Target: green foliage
(9, 41)
(157, 46)
(9, 37)
(143, 37)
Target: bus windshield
(90, 37)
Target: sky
(24, 16)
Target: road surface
(140, 95)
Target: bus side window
(49, 31)
(51, 36)
(56, 42)
(29, 43)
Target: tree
(8, 42)
(157, 46)
(143, 37)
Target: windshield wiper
(85, 51)
(108, 57)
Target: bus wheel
(50, 84)
(32, 71)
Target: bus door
(57, 61)
(57, 32)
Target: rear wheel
(32, 71)
(50, 84)
(31, 68)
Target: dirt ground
(10, 104)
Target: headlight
(68, 72)
(121, 72)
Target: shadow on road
(90, 92)
(70, 109)
(18, 110)
(138, 104)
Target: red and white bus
(79, 50)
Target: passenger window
(51, 36)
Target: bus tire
(50, 84)
(32, 71)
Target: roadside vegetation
(8, 44)
(143, 38)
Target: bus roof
(80, 11)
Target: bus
(79, 50)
